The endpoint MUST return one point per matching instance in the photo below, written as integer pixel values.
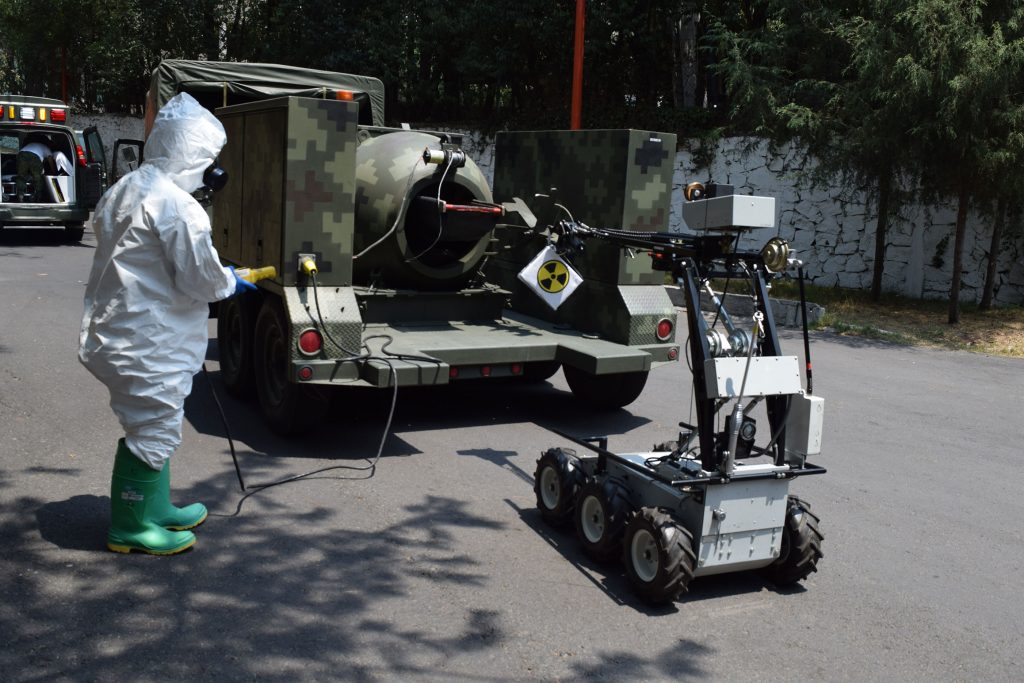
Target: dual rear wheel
(255, 354)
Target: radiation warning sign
(553, 276)
(550, 277)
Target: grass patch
(917, 322)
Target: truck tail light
(80, 153)
(310, 342)
(58, 115)
(664, 329)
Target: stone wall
(832, 231)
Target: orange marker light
(345, 95)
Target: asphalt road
(437, 567)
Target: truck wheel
(601, 512)
(236, 326)
(540, 371)
(801, 545)
(659, 556)
(605, 392)
(287, 406)
(73, 232)
(556, 482)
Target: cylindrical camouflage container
(397, 197)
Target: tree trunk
(211, 31)
(958, 255)
(993, 255)
(684, 61)
(881, 228)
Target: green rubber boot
(168, 516)
(134, 492)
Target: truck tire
(540, 371)
(658, 554)
(556, 482)
(601, 512)
(73, 232)
(801, 546)
(288, 407)
(236, 329)
(605, 392)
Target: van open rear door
(92, 179)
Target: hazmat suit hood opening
(185, 139)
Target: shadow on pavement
(38, 237)
(611, 577)
(354, 424)
(78, 523)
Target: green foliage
(910, 97)
(498, 64)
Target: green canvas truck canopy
(217, 84)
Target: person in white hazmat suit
(144, 330)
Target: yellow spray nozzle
(256, 274)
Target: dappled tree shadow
(682, 661)
(856, 342)
(294, 599)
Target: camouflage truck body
(412, 282)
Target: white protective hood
(144, 330)
(185, 140)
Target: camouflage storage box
(604, 178)
(291, 163)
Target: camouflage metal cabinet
(606, 179)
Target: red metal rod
(473, 209)
(577, 67)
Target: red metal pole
(577, 67)
(64, 75)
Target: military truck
(49, 175)
(397, 263)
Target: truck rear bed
(489, 349)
